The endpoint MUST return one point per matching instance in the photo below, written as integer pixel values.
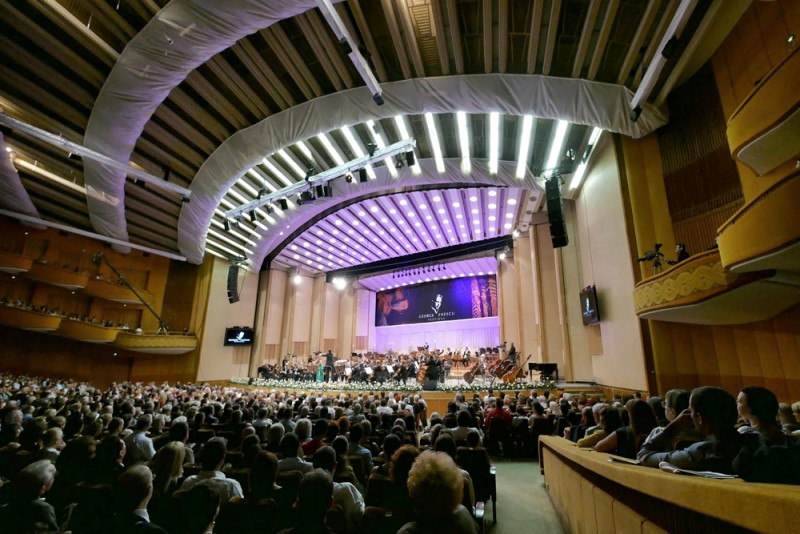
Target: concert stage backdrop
(446, 300)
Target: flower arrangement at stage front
(386, 386)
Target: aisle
(522, 501)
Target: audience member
(26, 510)
(212, 460)
(132, 493)
(345, 494)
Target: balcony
(29, 319)
(14, 263)
(701, 291)
(156, 343)
(108, 290)
(57, 276)
(88, 332)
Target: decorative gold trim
(107, 290)
(691, 281)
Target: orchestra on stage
(488, 363)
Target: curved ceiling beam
(13, 195)
(579, 101)
(177, 40)
(343, 194)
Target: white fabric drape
(455, 335)
(13, 196)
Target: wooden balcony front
(115, 292)
(156, 343)
(14, 263)
(29, 319)
(88, 332)
(701, 291)
(58, 276)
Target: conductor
(329, 365)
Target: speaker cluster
(555, 213)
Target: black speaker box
(233, 284)
(429, 385)
(555, 214)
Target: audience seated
(132, 493)
(345, 494)
(290, 448)
(626, 440)
(26, 510)
(314, 500)
(212, 459)
(436, 487)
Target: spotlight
(344, 44)
(283, 204)
(371, 148)
(262, 192)
(410, 158)
(323, 191)
(501, 256)
(310, 172)
(306, 196)
(253, 216)
(269, 209)
(348, 178)
(186, 200)
(227, 224)
(362, 175)
(378, 99)
(339, 283)
(399, 164)
(297, 279)
(516, 233)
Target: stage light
(253, 216)
(516, 233)
(227, 224)
(362, 175)
(283, 204)
(297, 279)
(339, 283)
(399, 164)
(410, 158)
(348, 178)
(501, 256)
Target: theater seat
(382, 521)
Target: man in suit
(132, 492)
(26, 510)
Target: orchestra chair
(382, 521)
(484, 478)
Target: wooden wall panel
(766, 353)
(698, 233)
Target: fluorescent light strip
(49, 175)
(292, 163)
(261, 179)
(236, 234)
(356, 148)
(305, 150)
(595, 136)
(332, 152)
(433, 136)
(222, 247)
(463, 140)
(378, 138)
(230, 241)
(524, 146)
(557, 146)
(578, 176)
(494, 141)
(401, 127)
(277, 172)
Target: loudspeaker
(555, 213)
(429, 385)
(233, 284)
(410, 158)
(362, 175)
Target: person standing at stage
(512, 354)
(329, 365)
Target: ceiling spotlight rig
(419, 269)
(314, 180)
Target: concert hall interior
(590, 197)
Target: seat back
(359, 468)
(244, 517)
(290, 480)
(376, 488)
(382, 521)
(476, 463)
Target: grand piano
(549, 371)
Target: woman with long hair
(627, 440)
(167, 468)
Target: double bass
(470, 375)
(515, 372)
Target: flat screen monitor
(238, 336)
(589, 305)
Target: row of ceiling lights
(495, 120)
